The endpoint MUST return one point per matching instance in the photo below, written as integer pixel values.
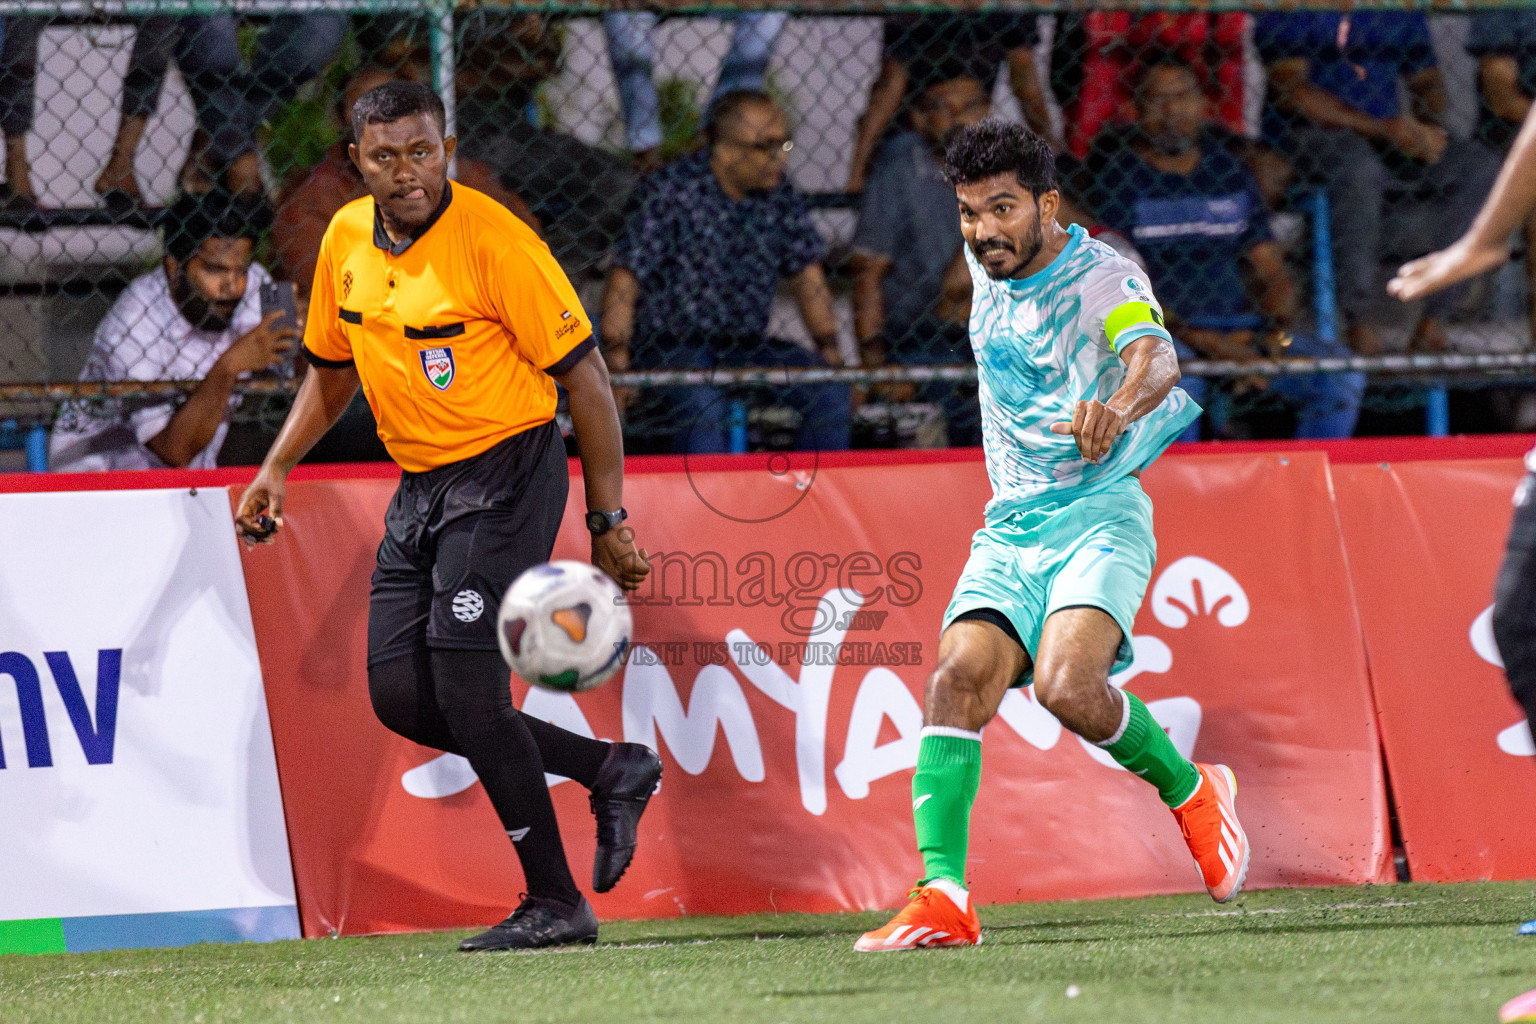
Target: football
(564, 626)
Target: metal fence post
(443, 67)
(1437, 411)
(37, 449)
(1324, 294)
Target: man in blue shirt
(1193, 211)
(1397, 185)
(912, 291)
(695, 272)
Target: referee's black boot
(536, 923)
(630, 774)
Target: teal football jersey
(1045, 343)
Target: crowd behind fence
(747, 200)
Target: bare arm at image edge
(1486, 243)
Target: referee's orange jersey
(455, 331)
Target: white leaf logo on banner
(1180, 717)
(1195, 586)
(716, 704)
(451, 774)
(1481, 635)
(1025, 716)
(881, 695)
(1516, 740)
(807, 698)
(1022, 713)
(1152, 655)
(440, 777)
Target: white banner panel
(139, 802)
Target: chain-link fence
(1268, 170)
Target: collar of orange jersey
(381, 237)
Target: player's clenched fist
(1094, 427)
(261, 508)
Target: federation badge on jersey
(437, 364)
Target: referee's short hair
(392, 101)
(193, 219)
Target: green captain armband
(1132, 320)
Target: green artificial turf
(1393, 953)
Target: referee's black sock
(567, 753)
(405, 699)
(476, 701)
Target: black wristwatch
(599, 522)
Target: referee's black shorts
(455, 538)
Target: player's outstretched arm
(1152, 369)
(1486, 243)
(321, 400)
(600, 443)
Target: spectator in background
(196, 317)
(921, 49)
(231, 100)
(18, 97)
(575, 194)
(1194, 213)
(1095, 56)
(696, 269)
(912, 291)
(1504, 42)
(632, 51)
(1397, 185)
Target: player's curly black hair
(994, 147)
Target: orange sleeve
(539, 307)
(324, 341)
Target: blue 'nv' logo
(95, 739)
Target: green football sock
(1143, 748)
(948, 775)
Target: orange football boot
(1215, 837)
(940, 914)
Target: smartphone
(278, 296)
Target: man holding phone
(199, 316)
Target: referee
(457, 321)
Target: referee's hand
(615, 553)
(261, 509)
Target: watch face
(597, 522)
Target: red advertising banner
(780, 654)
(1424, 542)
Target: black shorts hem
(409, 650)
(455, 644)
(998, 619)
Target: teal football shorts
(1095, 551)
